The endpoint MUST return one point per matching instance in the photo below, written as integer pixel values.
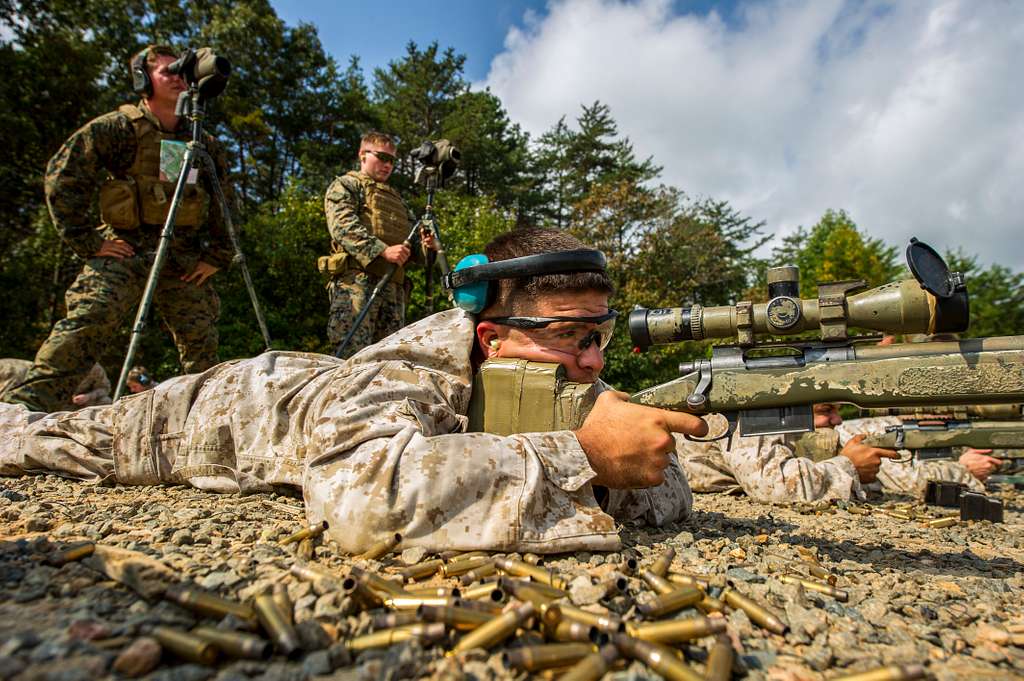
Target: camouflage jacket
(378, 445)
(907, 478)
(95, 386)
(766, 469)
(105, 146)
(345, 205)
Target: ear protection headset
(471, 280)
(141, 83)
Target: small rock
(317, 664)
(38, 523)
(744, 575)
(10, 666)
(140, 658)
(88, 630)
(312, 636)
(413, 555)
(182, 538)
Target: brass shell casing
(538, 574)
(896, 672)
(377, 583)
(758, 614)
(546, 656)
(675, 631)
(284, 602)
(208, 604)
(455, 617)
(495, 631)
(820, 587)
(428, 633)
(235, 644)
(308, 532)
(658, 583)
(682, 597)
(661, 565)
(273, 621)
(426, 568)
(719, 664)
(186, 646)
(593, 666)
(72, 553)
(656, 656)
(487, 590)
(390, 620)
(382, 548)
(461, 566)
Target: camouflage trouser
(102, 298)
(348, 294)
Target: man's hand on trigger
(628, 445)
(979, 463)
(866, 459)
(396, 254)
(200, 274)
(115, 248)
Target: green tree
(996, 296)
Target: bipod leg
(166, 235)
(239, 255)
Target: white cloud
(909, 115)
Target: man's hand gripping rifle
(764, 392)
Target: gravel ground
(948, 598)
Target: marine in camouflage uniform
(377, 444)
(364, 217)
(119, 152)
(907, 478)
(93, 390)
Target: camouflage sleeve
(342, 203)
(217, 249)
(669, 502)
(75, 172)
(767, 470)
(388, 455)
(95, 386)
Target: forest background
(291, 119)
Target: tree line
(291, 119)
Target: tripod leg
(239, 255)
(166, 234)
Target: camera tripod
(191, 104)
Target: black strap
(579, 260)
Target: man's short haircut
(152, 53)
(377, 138)
(514, 295)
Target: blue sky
(908, 115)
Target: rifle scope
(935, 301)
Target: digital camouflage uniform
(106, 153)
(907, 478)
(376, 443)
(766, 469)
(95, 386)
(363, 218)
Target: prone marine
(378, 444)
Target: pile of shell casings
(500, 601)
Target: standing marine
(368, 223)
(119, 155)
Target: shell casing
(719, 664)
(531, 558)
(398, 618)
(427, 568)
(208, 604)
(284, 602)
(363, 595)
(273, 621)
(414, 602)
(377, 583)
(614, 585)
(526, 591)
(675, 631)
(476, 574)
(545, 590)
(496, 630)
(607, 623)
(629, 566)
(593, 666)
(428, 633)
(186, 646)
(312, 573)
(308, 532)
(490, 607)
(567, 630)
(658, 584)
(948, 521)
(822, 573)
(72, 553)
(758, 614)
(382, 548)
(537, 574)
(436, 591)
(235, 644)
(455, 617)
(896, 672)
(456, 556)
(820, 587)
(461, 567)
(304, 549)
(688, 580)
(656, 656)
(546, 656)
(488, 590)
(681, 597)
(710, 604)
(663, 563)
